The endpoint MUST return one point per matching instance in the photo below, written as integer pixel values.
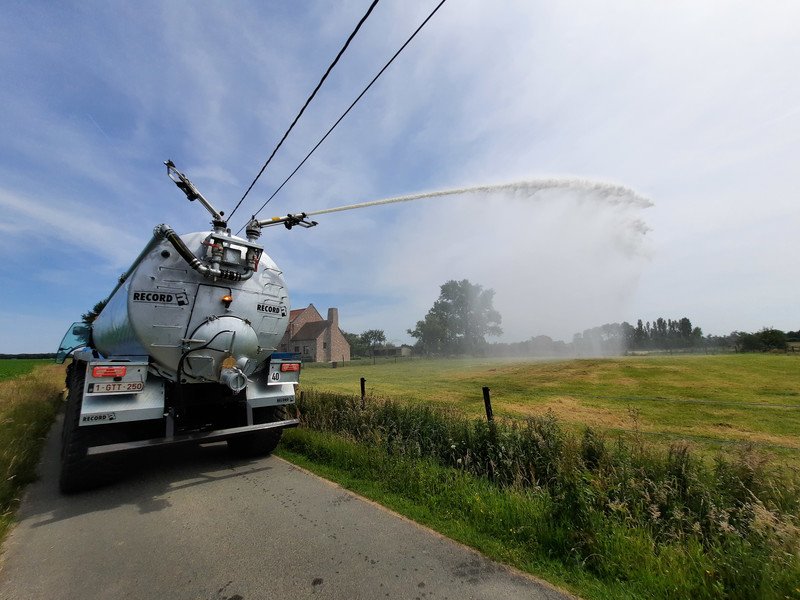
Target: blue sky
(694, 105)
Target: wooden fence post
(363, 392)
(487, 402)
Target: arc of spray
(610, 193)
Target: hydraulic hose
(164, 231)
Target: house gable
(317, 339)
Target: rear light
(109, 371)
(290, 367)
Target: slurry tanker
(184, 350)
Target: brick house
(315, 338)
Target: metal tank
(189, 322)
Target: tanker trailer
(184, 351)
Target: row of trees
(761, 341)
(618, 338)
(463, 315)
(662, 334)
(365, 344)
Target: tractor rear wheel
(78, 471)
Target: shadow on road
(143, 479)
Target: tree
(685, 329)
(762, 341)
(90, 316)
(357, 347)
(372, 338)
(639, 336)
(459, 320)
(747, 342)
(773, 339)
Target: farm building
(403, 351)
(314, 338)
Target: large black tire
(258, 443)
(78, 472)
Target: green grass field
(13, 367)
(710, 401)
(632, 516)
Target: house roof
(299, 311)
(311, 331)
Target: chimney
(333, 322)
(333, 317)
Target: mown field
(710, 401)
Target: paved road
(198, 524)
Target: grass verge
(604, 519)
(28, 406)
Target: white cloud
(692, 104)
(35, 219)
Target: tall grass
(28, 406)
(665, 522)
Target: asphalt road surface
(197, 523)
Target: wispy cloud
(75, 231)
(691, 104)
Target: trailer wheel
(258, 443)
(78, 472)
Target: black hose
(182, 249)
(195, 263)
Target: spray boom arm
(254, 226)
(288, 221)
(187, 187)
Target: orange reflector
(109, 371)
(290, 367)
(227, 299)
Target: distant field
(12, 367)
(710, 401)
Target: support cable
(344, 114)
(308, 101)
